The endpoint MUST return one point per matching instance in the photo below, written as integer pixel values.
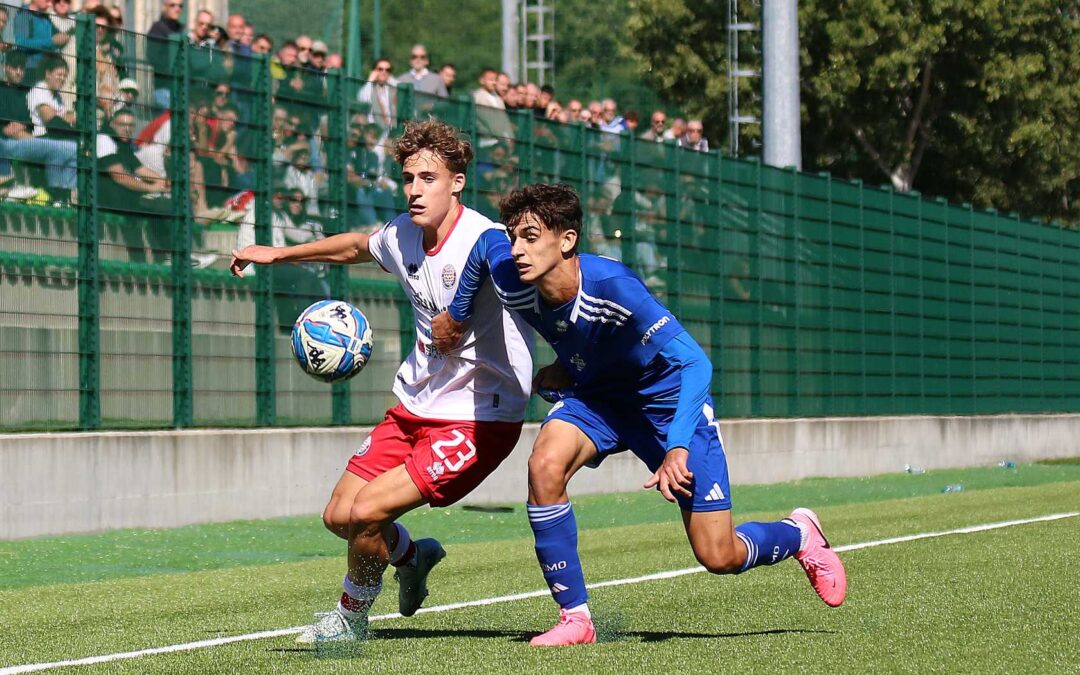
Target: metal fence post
(265, 365)
(180, 222)
(87, 223)
(338, 275)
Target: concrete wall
(61, 483)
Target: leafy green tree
(976, 100)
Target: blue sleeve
(25, 34)
(695, 374)
(490, 256)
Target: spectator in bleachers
(115, 40)
(596, 113)
(631, 120)
(573, 109)
(128, 96)
(303, 50)
(262, 44)
(108, 76)
(50, 115)
(199, 35)
(678, 128)
(610, 120)
(492, 123)
(158, 52)
(448, 73)
(35, 34)
(695, 137)
(237, 27)
(299, 175)
(502, 85)
(64, 23)
(657, 126)
(512, 99)
(367, 172)
(296, 285)
(418, 75)
(126, 184)
(334, 61)
(286, 140)
(379, 94)
(318, 56)
(544, 99)
(17, 143)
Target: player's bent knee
(547, 472)
(335, 517)
(365, 515)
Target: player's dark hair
(556, 206)
(440, 138)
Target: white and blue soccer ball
(332, 340)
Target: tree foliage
(976, 100)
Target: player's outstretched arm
(349, 247)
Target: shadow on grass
(661, 636)
(605, 637)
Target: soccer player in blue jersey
(627, 376)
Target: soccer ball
(332, 340)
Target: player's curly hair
(557, 206)
(440, 138)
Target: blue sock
(555, 530)
(768, 543)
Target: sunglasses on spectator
(303, 49)
(297, 199)
(418, 56)
(697, 129)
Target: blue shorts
(615, 426)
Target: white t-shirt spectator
(41, 94)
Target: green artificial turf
(129, 553)
(995, 601)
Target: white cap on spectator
(319, 47)
(128, 84)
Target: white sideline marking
(187, 646)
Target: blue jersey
(614, 338)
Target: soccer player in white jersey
(627, 377)
(459, 415)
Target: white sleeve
(379, 249)
(105, 146)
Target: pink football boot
(822, 565)
(574, 628)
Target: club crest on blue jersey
(578, 362)
(561, 326)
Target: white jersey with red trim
(488, 377)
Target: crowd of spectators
(135, 78)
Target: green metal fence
(814, 296)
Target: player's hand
(673, 476)
(552, 376)
(262, 255)
(446, 332)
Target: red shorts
(445, 458)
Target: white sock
(583, 608)
(804, 532)
(356, 599)
(402, 545)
